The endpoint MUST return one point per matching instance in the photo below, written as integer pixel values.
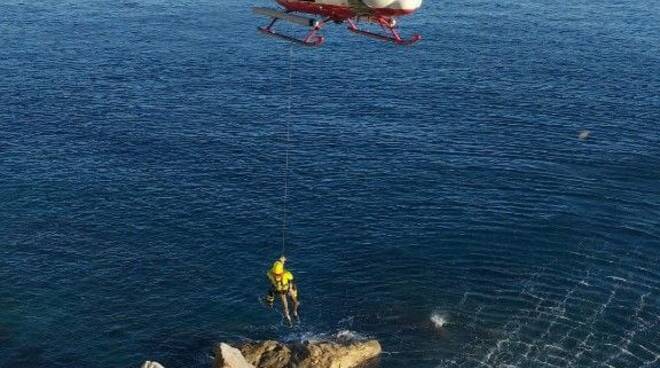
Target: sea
(489, 197)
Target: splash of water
(439, 319)
(347, 335)
(314, 336)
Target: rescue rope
(286, 157)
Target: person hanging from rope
(281, 283)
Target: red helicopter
(380, 12)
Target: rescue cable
(286, 157)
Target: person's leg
(293, 293)
(285, 307)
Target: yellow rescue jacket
(282, 281)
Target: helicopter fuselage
(344, 9)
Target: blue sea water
(142, 149)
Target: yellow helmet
(278, 268)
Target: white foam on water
(308, 336)
(439, 319)
(617, 278)
(314, 337)
(559, 326)
(348, 335)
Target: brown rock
(333, 355)
(229, 357)
(272, 354)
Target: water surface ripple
(441, 200)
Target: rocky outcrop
(273, 354)
(228, 357)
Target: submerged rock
(273, 354)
